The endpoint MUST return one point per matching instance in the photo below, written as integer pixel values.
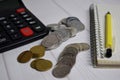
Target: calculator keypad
(19, 26)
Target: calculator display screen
(8, 4)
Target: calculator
(18, 26)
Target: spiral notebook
(97, 35)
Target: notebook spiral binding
(95, 36)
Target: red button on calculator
(26, 31)
(20, 10)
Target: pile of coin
(35, 52)
(67, 59)
(61, 32)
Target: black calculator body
(18, 26)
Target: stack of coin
(65, 29)
(54, 39)
(67, 59)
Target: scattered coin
(61, 71)
(24, 57)
(38, 51)
(43, 65)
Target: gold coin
(33, 63)
(38, 51)
(43, 65)
(24, 57)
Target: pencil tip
(108, 53)
(108, 12)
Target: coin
(33, 63)
(43, 65)
(74, 45)
(24, 57)
(63, 22)
(38, 51)
(83, 46)
(50, 42)
(75, 22)
(67, 60)
(64, 34)
(54, 27)
(69, 51)
(73, 31)
(61, 71)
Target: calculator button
(8, 26)
(16, 36)
(2, 18)
(4, 22)
(13, 15)
(23, 13)
(20, 10)
(25, 16)
(27, 31)
(18, 22)
(3, 40)
(37, 28)
(32, 22)
(15, 19)
(21, 25)
(28, 19)
(11, 31)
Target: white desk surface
(52, 11)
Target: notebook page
(115, 12)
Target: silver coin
(63, 22)
(54, 27)
(73, 31)
(61, 71)
(80, 46)
(51, 41)
(83, 46)
(68, 51)
(75, 22)
(67, 60)
(63, 34)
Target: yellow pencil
(108, 35)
